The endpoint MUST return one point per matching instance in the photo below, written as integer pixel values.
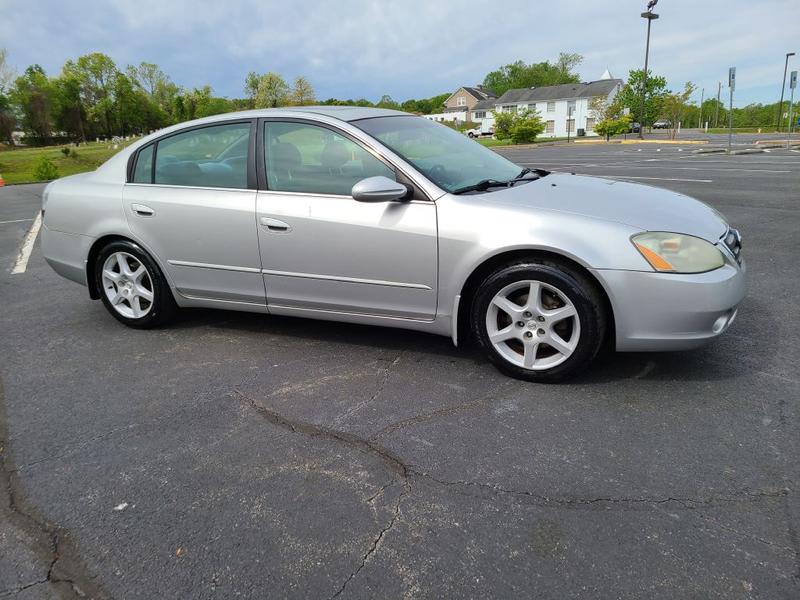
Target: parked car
(634, 127)
(662, 124)
(379, 217)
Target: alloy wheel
(533, 325)
(127, 285)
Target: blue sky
(408, 48)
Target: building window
(510, 108)
(551, 107)
(479, 114)
(589, 124)
(461, 101)
(571, 125)
(550, 127)
(570, 107)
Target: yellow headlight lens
(678, 253)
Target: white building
(561, 107)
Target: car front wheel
(132, 287)
(539, 321)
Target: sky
(409, 48)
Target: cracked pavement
(237, 455)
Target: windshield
(451, 160)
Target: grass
(17, 164)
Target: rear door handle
(142, 210)
(275, 225)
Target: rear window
(143, 173)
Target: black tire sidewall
(163, 303)
(579, 291)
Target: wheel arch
(98, 245)
(492, 263)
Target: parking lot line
(653, 178)
(15, 221)
(27, 246)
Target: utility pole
(731, 85)
(716, 115)
(650, 16)
(792, 85)
(700, 118)
(779, 120)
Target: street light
(650, 16)
(779, 121)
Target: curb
(709, 150)
(748, 151)
(675, 142)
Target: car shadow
(709, 363)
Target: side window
(213, 156)
(306, 158)
(143, 173)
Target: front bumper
(667, 311)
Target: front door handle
(275, 225)
(142, 210)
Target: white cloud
(352, 48)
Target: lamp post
(650, 16)
(779, 121)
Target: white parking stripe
(16, 221)
(27, 246)
(654, 178)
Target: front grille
(733, 241)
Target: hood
(641, 206)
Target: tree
(609, 116)
(387, 102)
(521, 75)
(630, 96)
(96, 73)
(6, 72)
(527, 125)
(149, 78)
(520, 127)
(68, 111)
(251, 87)
(675, 106)
(302, 92)
(32, 94)
(272, 91)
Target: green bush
(65, 150)
(609, 127)
(503, 123)
(526, 127)
(45, 170)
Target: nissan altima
(380, 217)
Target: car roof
(342, 113)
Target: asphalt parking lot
(237, 455)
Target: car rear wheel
(132, 286)
(539, 321)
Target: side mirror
(378, 189)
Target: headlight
(678, 253)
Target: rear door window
(213, 156)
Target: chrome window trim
(191, 187)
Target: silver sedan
(379, 217)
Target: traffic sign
(732, 78)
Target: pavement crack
(579, 501)
(377, 541)
(434, 414)
(391, 460)
(378, 391)
(63, 564)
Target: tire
(132, 287)
(569, 312)
(470, 134)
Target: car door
(191, 201)
(324, 251)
